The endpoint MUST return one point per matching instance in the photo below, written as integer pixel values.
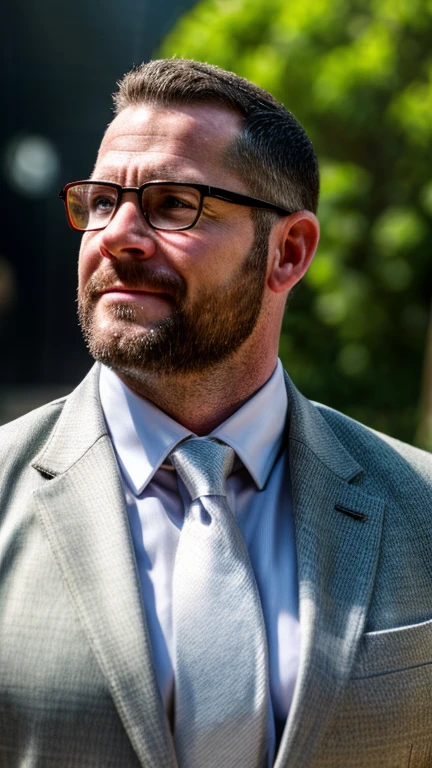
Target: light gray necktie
(221, 664)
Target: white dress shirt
(258, 492)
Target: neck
(202, 401)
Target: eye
(171, 198)
(102, 204)
(169, 201)
(171, 206)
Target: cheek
(213, 259)
(205, 272)
(88, 260)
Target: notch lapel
(82, 511)
(337, 555)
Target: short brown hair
(272, 154)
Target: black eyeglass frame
(203, 189)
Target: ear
(292, 250)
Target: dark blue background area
(60, 63)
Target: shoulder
(393, 462)
(351, 449)
(23, 438)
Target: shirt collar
(143, 435)
(255, 431)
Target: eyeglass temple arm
(253, 202)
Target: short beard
(192, 339)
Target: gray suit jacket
(77, 687)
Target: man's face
(170, 302)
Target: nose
(128, 236)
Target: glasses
(169, 206)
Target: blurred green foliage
(358, 75)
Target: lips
(116, 289)
(135, 280)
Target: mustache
(137, 276)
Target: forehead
(156, 142)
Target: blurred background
(357, 74)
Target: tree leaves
(358, 75)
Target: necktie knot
(204, 465)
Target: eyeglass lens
(91, 206)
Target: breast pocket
(385, 716)
(394, 650)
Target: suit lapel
(83, 513)
(338, 528)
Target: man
(199, 567)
